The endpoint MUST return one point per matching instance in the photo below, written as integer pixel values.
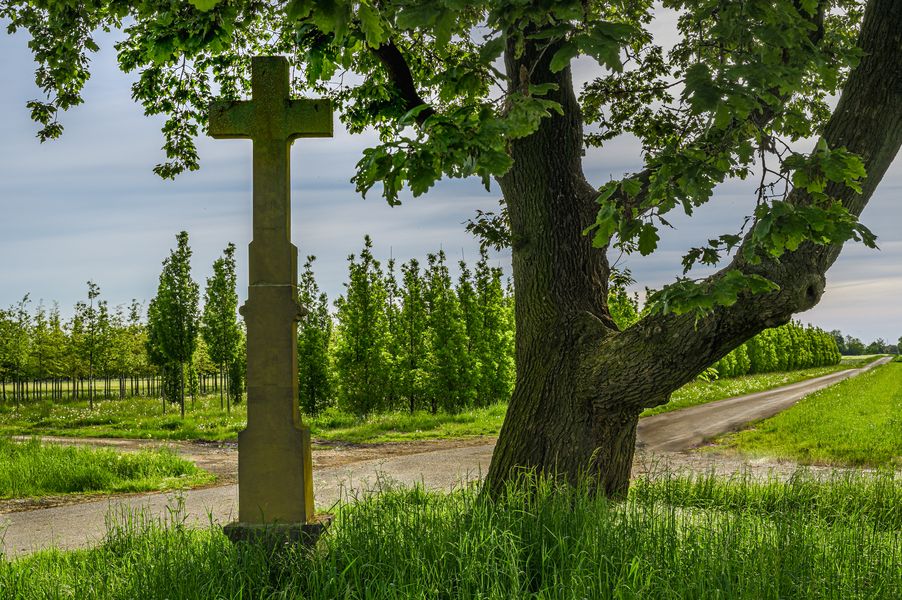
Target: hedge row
(784, 348)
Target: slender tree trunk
(580, 383)
(182, 389)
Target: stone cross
(275, 484)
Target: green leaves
(204, 5)
(783, 227)
(702, 297)
(700, 90)
(814, 172)
(604, 42)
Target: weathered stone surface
(276, 536)
(274, 459)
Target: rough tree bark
(581, 383)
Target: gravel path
(343, 471)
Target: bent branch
(673, 349)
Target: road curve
(686, 428)
(84, 524)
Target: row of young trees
(176, 328)
(406, 338)
(95, 343)
(784, 348)
(177, 349)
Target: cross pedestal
(275, 485)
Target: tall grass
(32, 469)
(537, 540)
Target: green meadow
(32, 469)
(855, 422)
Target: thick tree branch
(399, 74)
(868, 122)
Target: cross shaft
(274, 457)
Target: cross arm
(231, 119)
(309, 118)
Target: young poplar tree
(494, 347)
(172, 318)
(219, 323)
(91, 346)
(448, 381)
(413, 342)
(314, 336)
(393, 336)
(361, 360)
(56, 348)
(472, 319)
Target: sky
(88, 207)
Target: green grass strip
(855, 422)
(32, 469)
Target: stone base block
(277, 535)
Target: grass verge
(856, 422)
(702, 392)
(32, 469)
(535, 541)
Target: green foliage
(219, 327)
(412, 344)
(492, 338)
(783, 348)
(172, 317)
(361, 357)
(29, 469)
(624, 307)
(315, 379)
(448, 369)
(423, 343)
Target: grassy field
(855, 422)
(678, 538)
(32, 469)
(143, 418)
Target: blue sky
(87, 206)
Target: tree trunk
(580, 383)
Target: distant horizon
(88, 207)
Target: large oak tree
(478, 88)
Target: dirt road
(689, 427)
(341, 472)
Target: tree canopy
(729, 94)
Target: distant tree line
(785, 348)
(852, 346)
(403, 337)
(116, 353)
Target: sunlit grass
(33, 469)
(403, 426)
(673, 539)
(856, 422)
